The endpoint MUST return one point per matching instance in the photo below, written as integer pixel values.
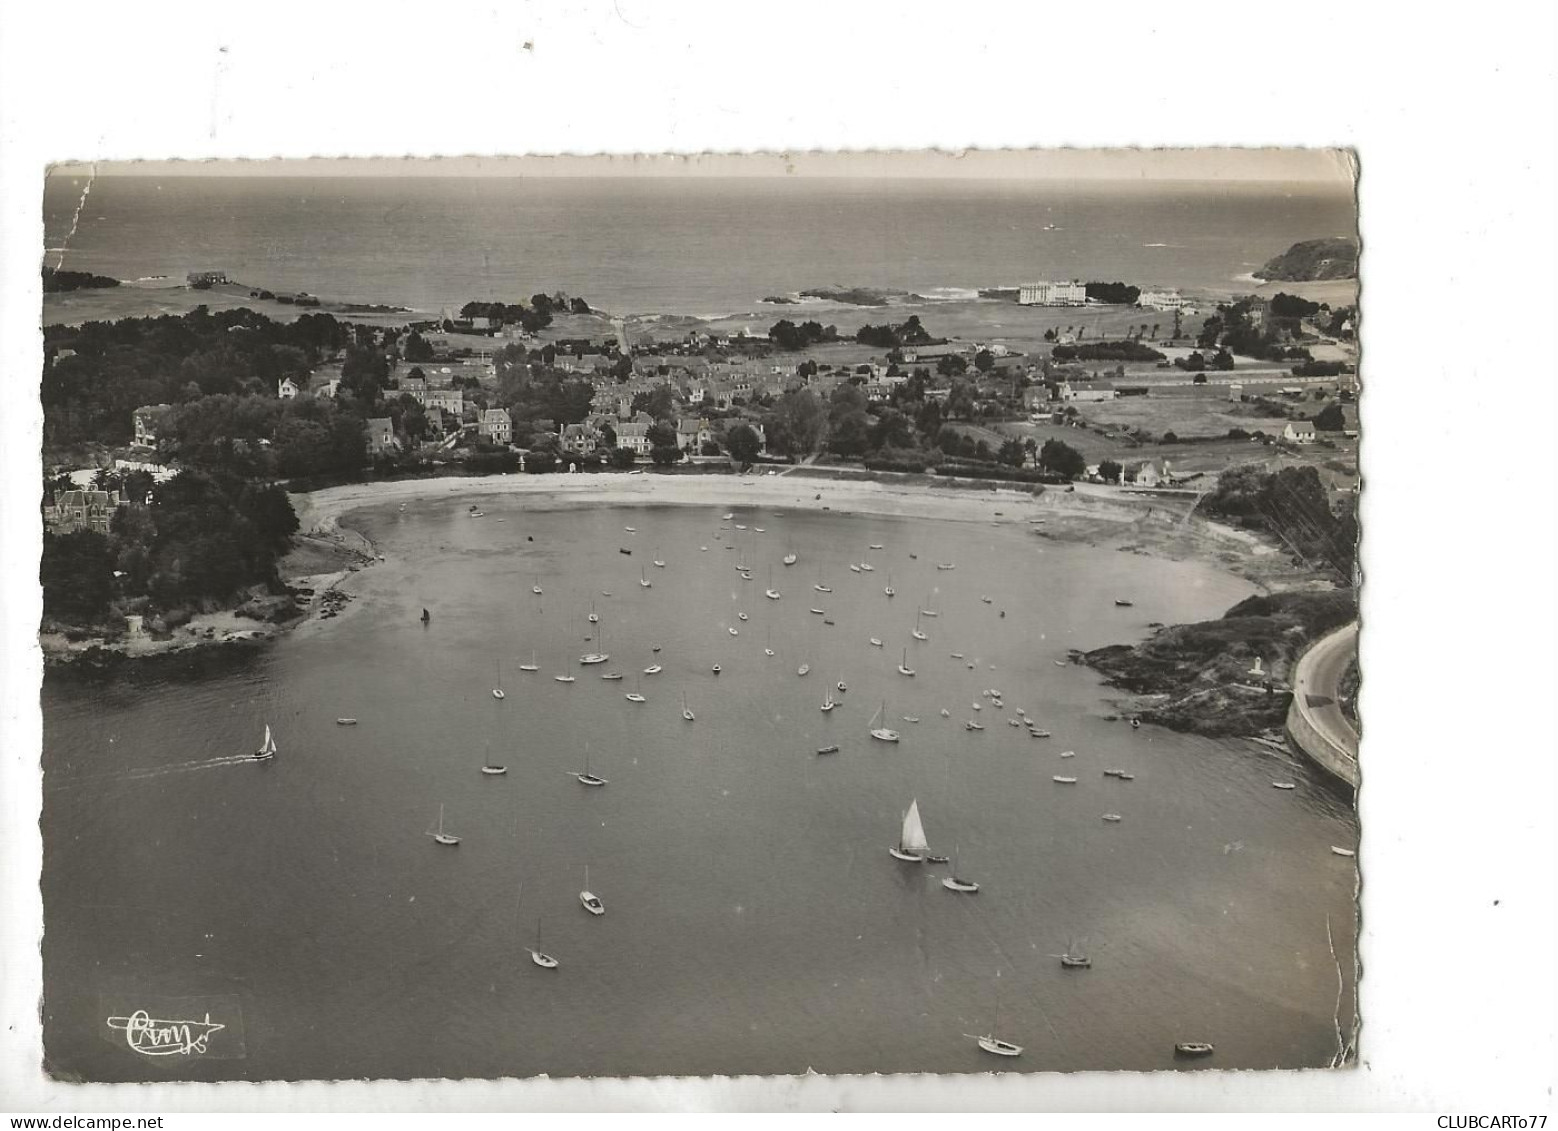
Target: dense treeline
(888, 336)
(788, 336)
(1107, 351)
(58, 282)
(119, 366)
(198, 537)
(1117, 293)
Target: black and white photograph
(653, 558)
(657, 617)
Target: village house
(451, 401)
(634, 436)
(1299, 432)
(380, 435)
(580, 439)
(1151, 473)
(147, 419)
(329, 388)
(288, 389)
(692, 433)
(697, 391)
(72, 511)
(496, 426)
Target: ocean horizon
(701, 247)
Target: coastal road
(1317, 690)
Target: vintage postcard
(883, 613)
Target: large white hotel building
(1052, 294)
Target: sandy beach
(1156, 525)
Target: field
(1187, 411)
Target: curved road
(1317, 690)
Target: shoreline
(329, 548)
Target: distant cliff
(1313, 260)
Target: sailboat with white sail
(912, 844)
(917, 632)
(267, 749)
(903, 664)
(771, 593)
(686, 712)
(497, 692)
(636, 695)
(532, 666)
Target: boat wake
(159, 771)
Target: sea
(700, 247)
(755, 922)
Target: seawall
(1315, 722)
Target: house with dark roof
(72, 511)
(496, 426)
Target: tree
(416, 348)
(539, 462)
(1222, 360)
(661, 435)
(623, 458)
(364, 373)
(1331, 418)
(1109, 471)
(950, 365)
(984, 361)
(803, 420)
(658, 402)
(77, 575)
(608, 436)
(743, 444)
(1012, 453)
(1062, 459)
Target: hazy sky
(1309, 165)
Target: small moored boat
(441, 837)
(831, 749)
(345, 722)
(1193, 1048)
